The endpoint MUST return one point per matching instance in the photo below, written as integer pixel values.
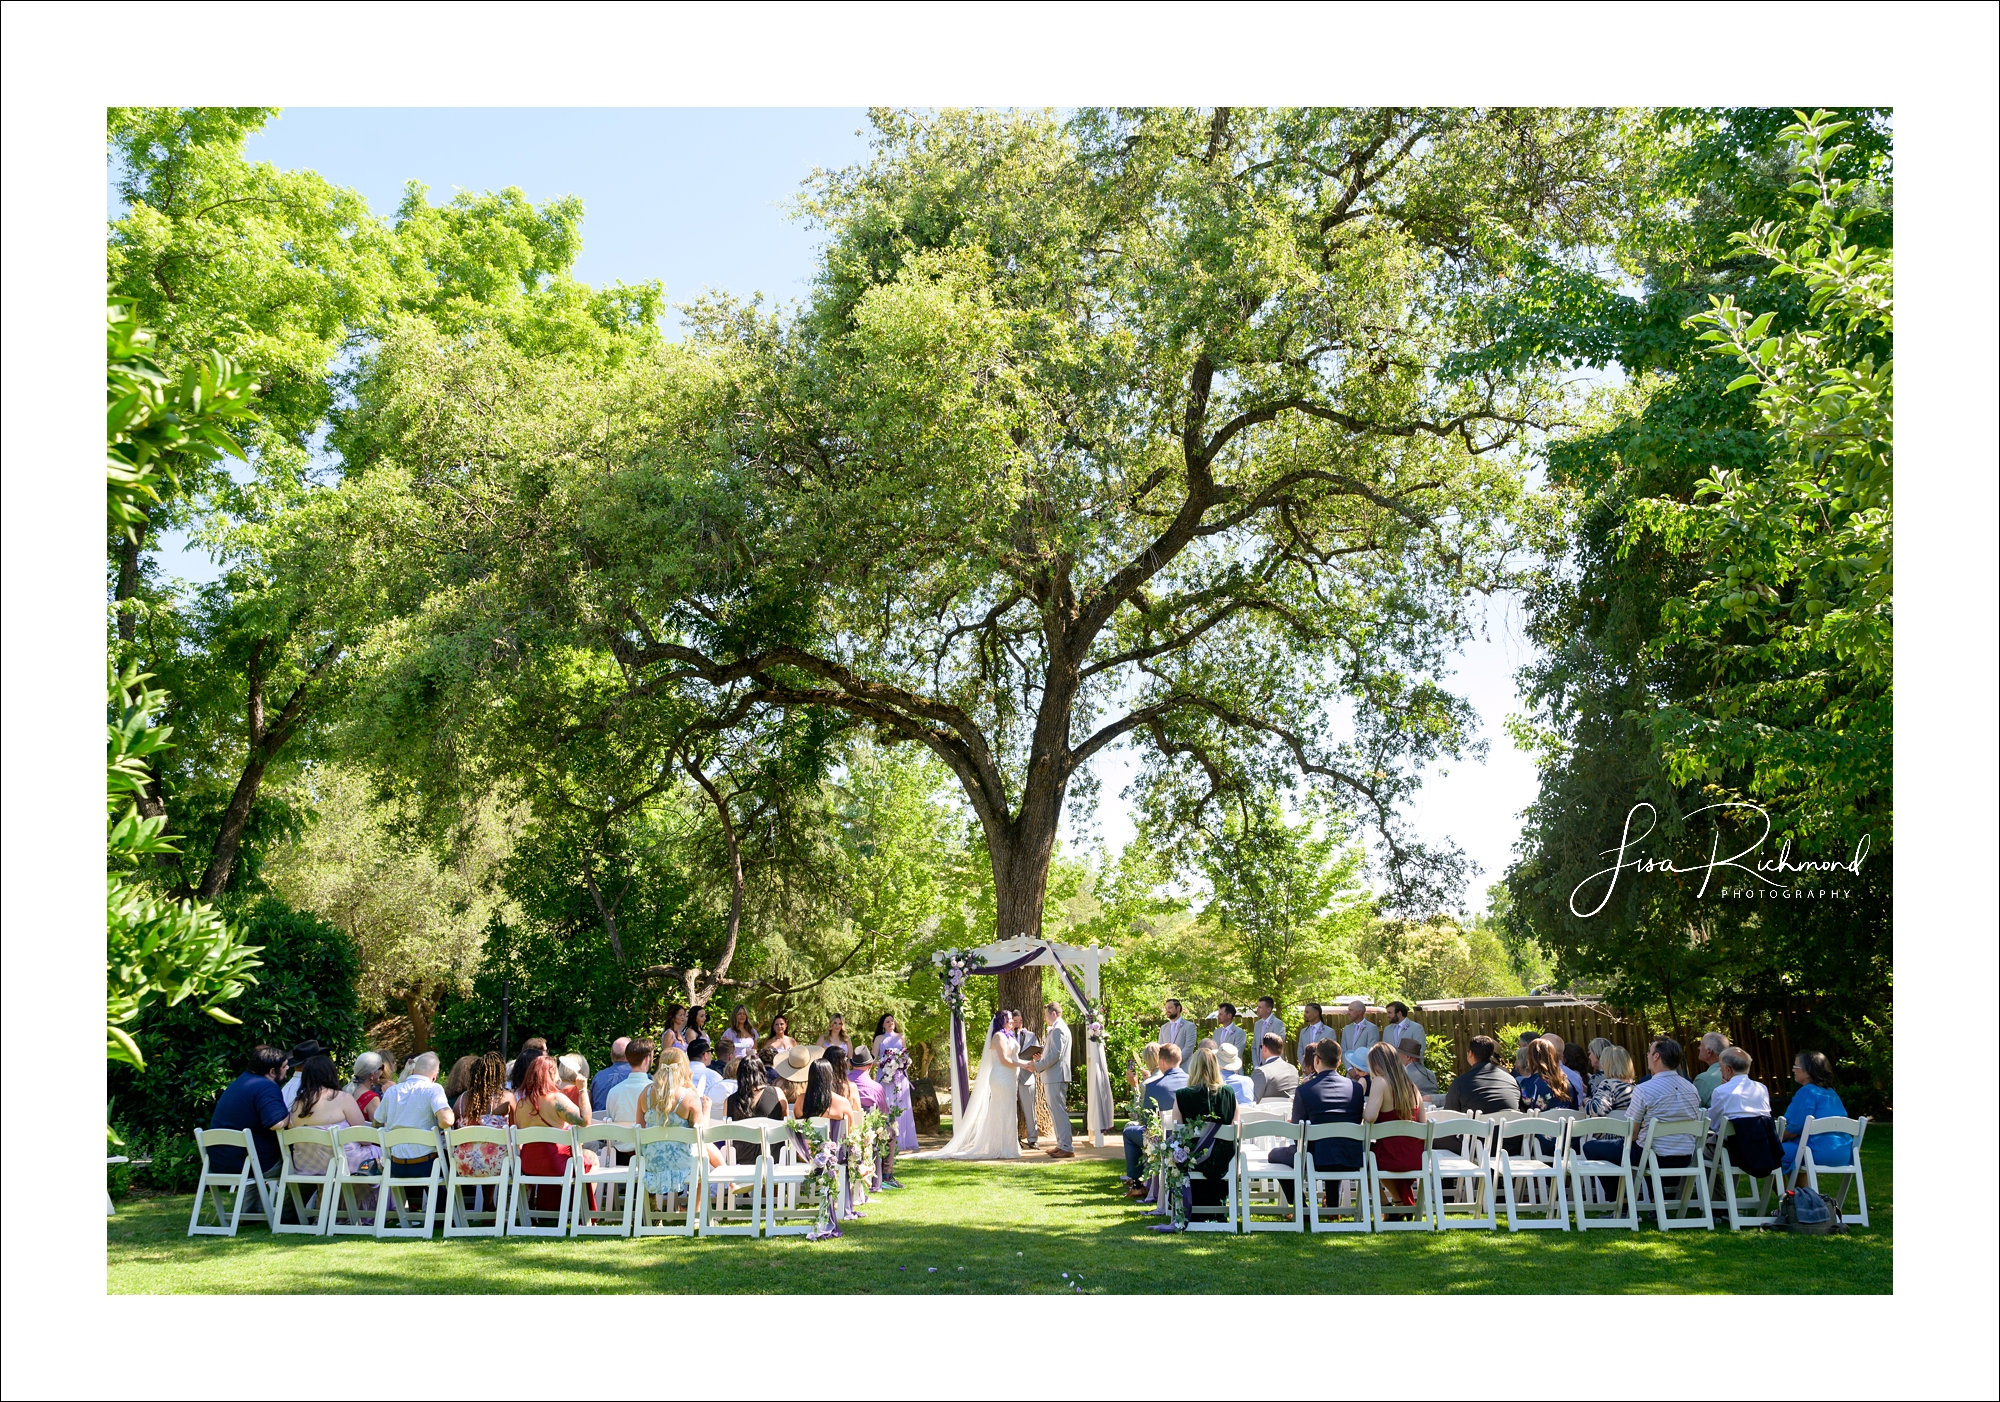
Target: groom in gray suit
(1053, 1067)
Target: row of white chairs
(1529, 1168)
(762, 1188)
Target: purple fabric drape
(958, 1065)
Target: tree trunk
(417, 1008)
(1020, 884)
(229, 841)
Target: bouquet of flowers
(954, 967)
(823, 1176)
(1168, 1150)
(892, 1073)
(878, 1147)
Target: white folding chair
(1227, 1222)
(248, 1195)
(1693, 1177)
(474, 1218)
(1807, 1167)
(1590, 1179)
(524, 1218)
(1263, 1182)
(1538, 1160)
(1469, 1167)
(1354, 1179)
(789, 1208)
(310, 1195)
(664, 1221)
(1422, 1216)
(357, 1197)
(610, 1189)
(1722, 1176)
(398, 1190)
(720, 1215)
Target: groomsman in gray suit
(1053, 1067)
(1024, 1079)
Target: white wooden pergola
(1083, 962)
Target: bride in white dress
(987, 1129)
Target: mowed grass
(1011, 1227)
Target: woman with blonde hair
(1611, 1097)
(1207, 1099)
(1393, 1096)
(672, 1100)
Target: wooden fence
(1769, 1040)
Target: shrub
(305, 988)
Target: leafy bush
(172, 1167)
(305, 988)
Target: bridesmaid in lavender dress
(895, 1087)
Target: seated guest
(488, 1102)
(1815, 1096)
(1665, 1097)
(1709, 1054)
(539, 1105)
(621, 1102)
(459, 1077)
(1579, 1087)
(1149, 1065)
(322, 1103)
(573, 1077)
(1577, 1061)
(1611, 1100)
(372, 1071)
(705, 1077)
(821, 1100)
(415, 1102)
(614, 1072)
(1157, 1093)
(1203, 1101)
(1484, 1085)
(754, 1098)
(310, 1047)
(1276, 1078)
(670, 1098)
(790, 1072)
(860, 1075)
(1231, 1062)
(1545, 1086)
(1597, 1046)
(1325, 1097)
(253, 1102)
(530, 1049)
(843, 1090)
(1411, 1051)
(1736, 1095)
(1391, 1097)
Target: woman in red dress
(538, 1104)
(1392, 1096)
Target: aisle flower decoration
(823, 1176)
(954, 967)
(878, 1146)
(1168, 1151)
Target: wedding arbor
(1079, 966)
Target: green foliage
(1671, 677)
(305, 988)
(1435, 959)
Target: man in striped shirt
(1666, 1095)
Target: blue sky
(697, 198)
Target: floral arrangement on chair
(878, 1147)
(823, 1175)
(1168, 1150)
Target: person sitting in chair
(1157, 1093)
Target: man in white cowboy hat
(1231, 1061)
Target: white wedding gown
(988, 1129)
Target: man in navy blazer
(1324, 1098)
(1158, 1092)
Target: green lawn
(988, 1228)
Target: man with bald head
(613, 1073)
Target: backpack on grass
(1803, 1210)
